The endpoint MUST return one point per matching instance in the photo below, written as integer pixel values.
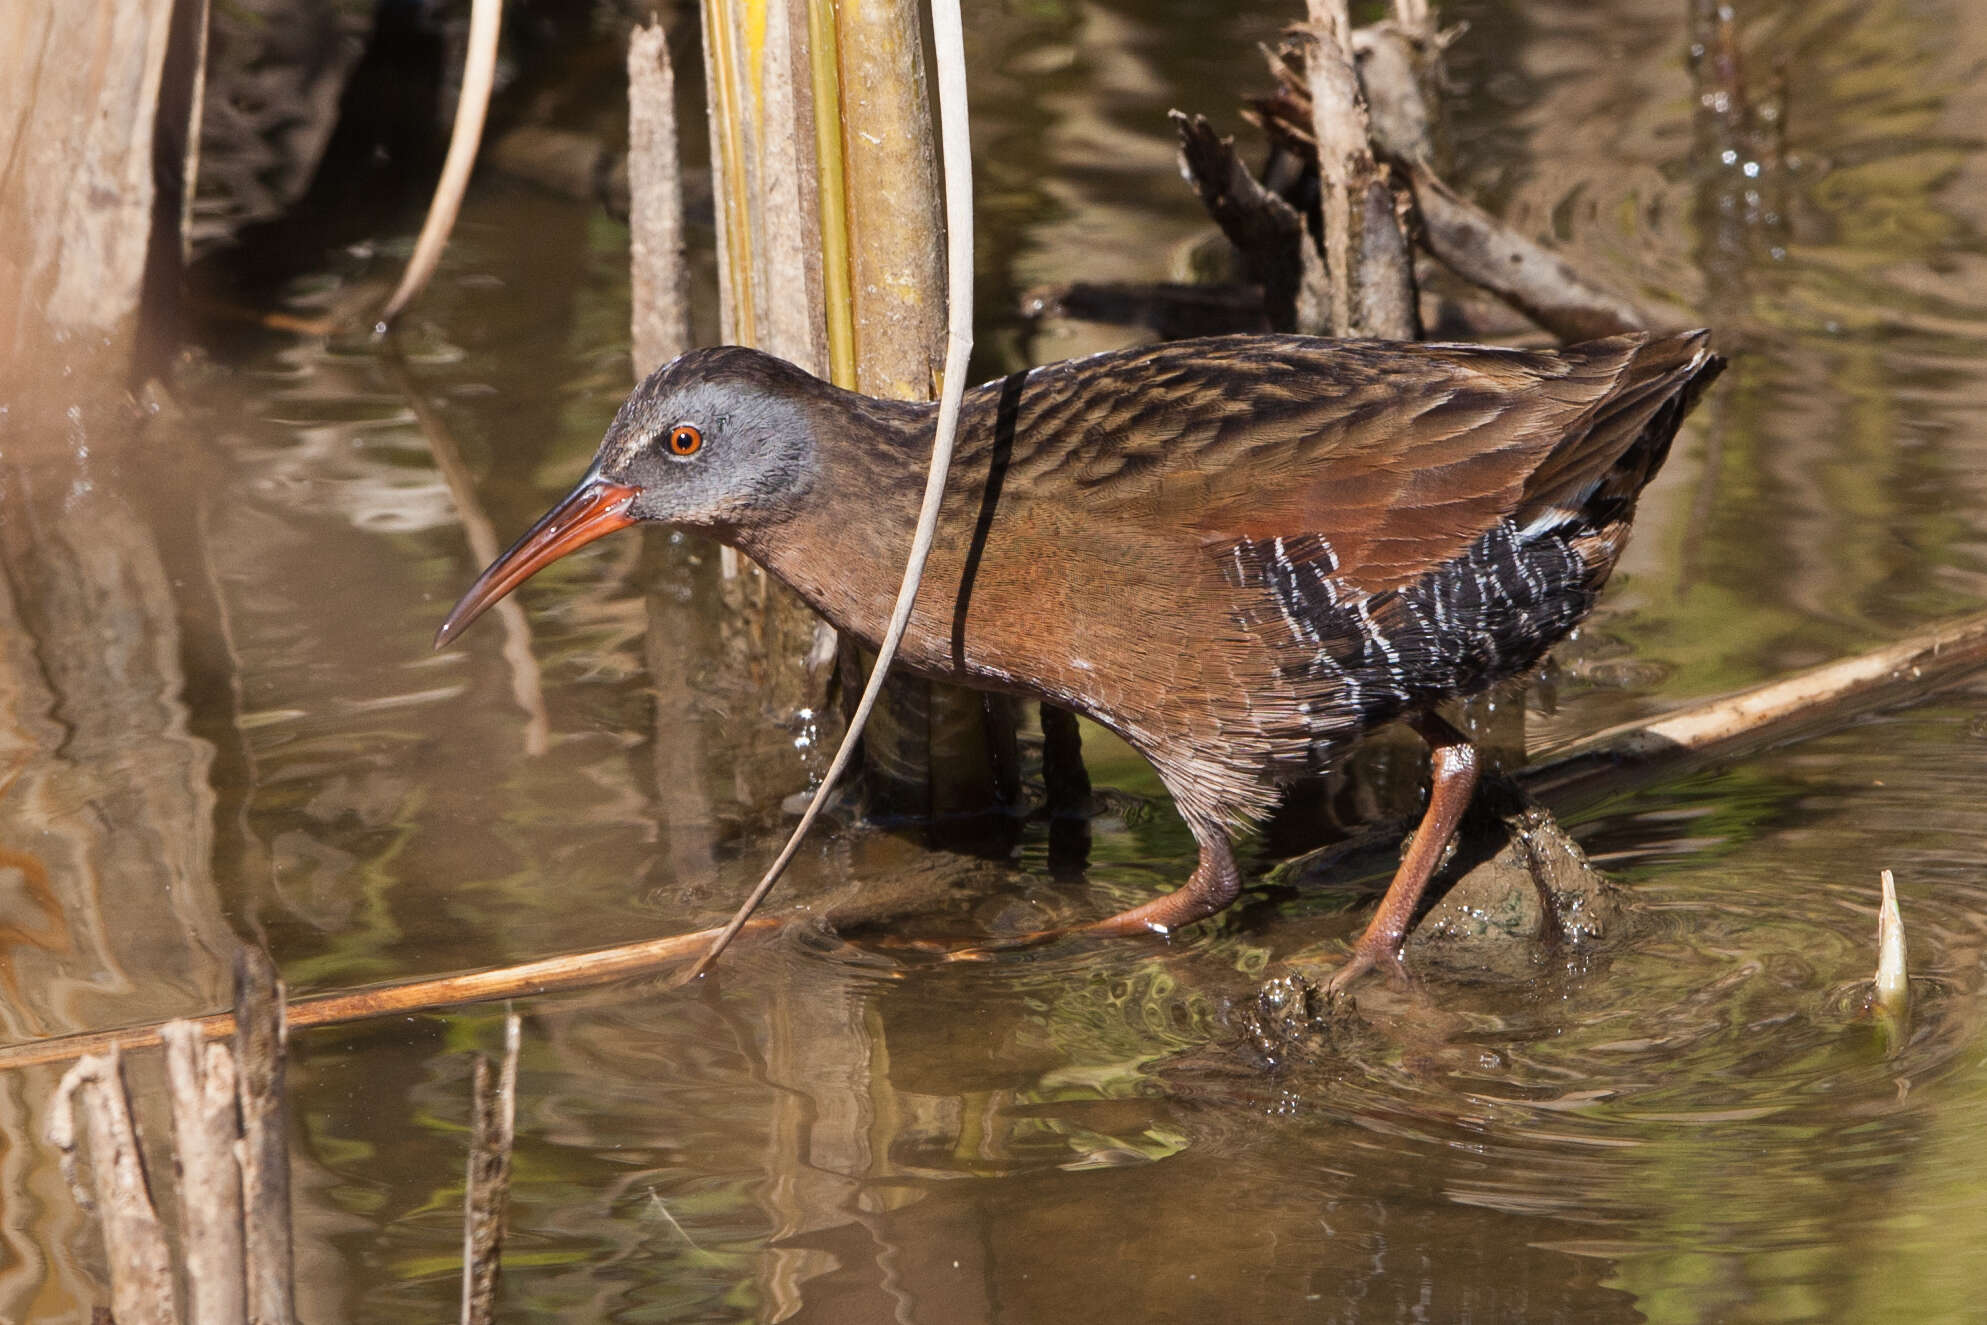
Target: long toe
(986, 950)
(1366, 957)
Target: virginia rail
(1237, 553)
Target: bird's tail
(1596, 476)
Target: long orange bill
(594, 509)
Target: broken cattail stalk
(949, 48)
(141, 1287)
(260, 1038)
(206, 1126)
(929, 750)
(1345, 162)
(488, 1186)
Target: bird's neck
(842, 544)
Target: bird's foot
(986, 950)
(980, 950)
(1128, 925)
(1163, 917)
(1366, 957)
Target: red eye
(684, 439)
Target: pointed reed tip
(1891, 987)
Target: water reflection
(105, 812)
(223, 718)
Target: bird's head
(717, 440)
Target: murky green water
(223, 720)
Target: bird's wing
(1400, 457)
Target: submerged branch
(1829, 694)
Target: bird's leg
(1552, 929)
(1453, 761)
(1214, 884)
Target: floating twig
(1832, 692)
(573, 970)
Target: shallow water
(223, 720)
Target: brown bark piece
(1533, 280)
(1264, 229)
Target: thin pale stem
(479, 74)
